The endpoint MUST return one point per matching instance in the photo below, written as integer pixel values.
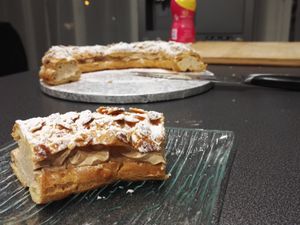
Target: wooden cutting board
(250, 53)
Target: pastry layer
(54, 183)
(62, 64)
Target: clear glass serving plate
(199, 162)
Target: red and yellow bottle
(183, 27)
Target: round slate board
(121, 86)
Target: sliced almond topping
(38, 127)
(88, 124)
(140, 117)
(59, 132)
(119, 117)
(71, 116)
(122, 137)
(110, 110)
(145, 146)
(62, 125)
(85, 117)
(83, 139)
(136, 110)
(154, 115)
(143, 130)
(75, 117)
(131, 119)
(42, 151)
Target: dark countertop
(264, 185)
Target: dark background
(39, 24)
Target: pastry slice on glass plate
(74, 152)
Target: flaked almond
(136, 110)
(122, 137)
(85, 117)
(110, 110)
(75, 117)
(143, 130)
(88, 124)
(63, 126)
(145, 146)
(119, 117)
(38, 127)
(71, 116)
(154, 115)
(80, 138)
(34, 124)
(131, 119)
(83, 139)
(139, 117)
(42, 151)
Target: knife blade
(207, 75)
(282, 81)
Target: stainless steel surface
(205, 75)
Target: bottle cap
(187, 4)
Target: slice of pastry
(62, 64)
(69, 153)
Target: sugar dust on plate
(129, 191)
(101, 197)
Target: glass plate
(199, 162)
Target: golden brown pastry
(73, 152)
(62, 64)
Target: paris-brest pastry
(63, 64)
(73, 152)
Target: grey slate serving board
(121, 86)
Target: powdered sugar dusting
(58, 132)
(172, 49)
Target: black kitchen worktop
(264, 184)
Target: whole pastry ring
(63, 64)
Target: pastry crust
(70, 153)
(62, 64)
(56, 183)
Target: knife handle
(289, 82)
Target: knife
(283, 81)
(207, 75)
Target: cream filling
(89, 158)
(190, 63)
(94, 155)
(24, 161)
(67, 71)
(153, 157)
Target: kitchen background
(39, 24)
